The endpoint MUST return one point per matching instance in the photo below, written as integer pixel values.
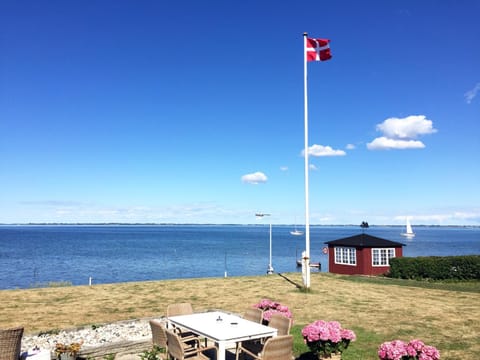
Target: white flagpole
(306, 283)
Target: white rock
(91, 337)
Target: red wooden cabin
(362, 254)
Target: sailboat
(408, 232)
(296, 232)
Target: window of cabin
(381, 257)
(345, 255)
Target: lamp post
(270, 267)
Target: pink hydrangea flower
(415, 349)
(348, 334)
(431, 352)
(271, 307)
(327, 337)
(416, 344)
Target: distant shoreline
(208, 224)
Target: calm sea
(35, 255)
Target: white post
(270, 267)
(225, 264)
(90, 281)
(304, 268)
(306, 282)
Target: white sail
(409, 231)
(409, 227)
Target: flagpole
(306, 280)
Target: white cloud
(320, 150)
(312, 167)
(400, 133)
(254, 178)
(407, 128)
(386, 143)
(283, 168)
(471, 94)
(350, 147)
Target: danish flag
(318, 49)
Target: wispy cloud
(53, 203)
(254, 178)
(471, 94)
(446, 218)
(400, 133)
(53, 211)
(283, 168)
(387, 143)
(350, 147)
(320, 150)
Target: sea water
(33, 255)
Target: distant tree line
(364, 225)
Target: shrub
(436, 267)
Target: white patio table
(222, 328)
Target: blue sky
(168, 111)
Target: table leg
(221, 350)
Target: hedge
(436, 267)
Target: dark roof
(364, 240)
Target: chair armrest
(198, 350)
(241, 348)
(186, 336)
(205, 348)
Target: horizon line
(209, 224)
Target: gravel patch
(93, 336)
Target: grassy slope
(377, 310)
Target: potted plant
(271, 307)
(413, 350)
(67, 351)
(327, 339)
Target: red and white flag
(318, 49)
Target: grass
(441, 314)
(51, 284)
(465, 286)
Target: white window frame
(382, 256)
(345, 255)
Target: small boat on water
(296, 232)
(312, 264)
(408, 231)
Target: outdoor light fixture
(270, 267)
